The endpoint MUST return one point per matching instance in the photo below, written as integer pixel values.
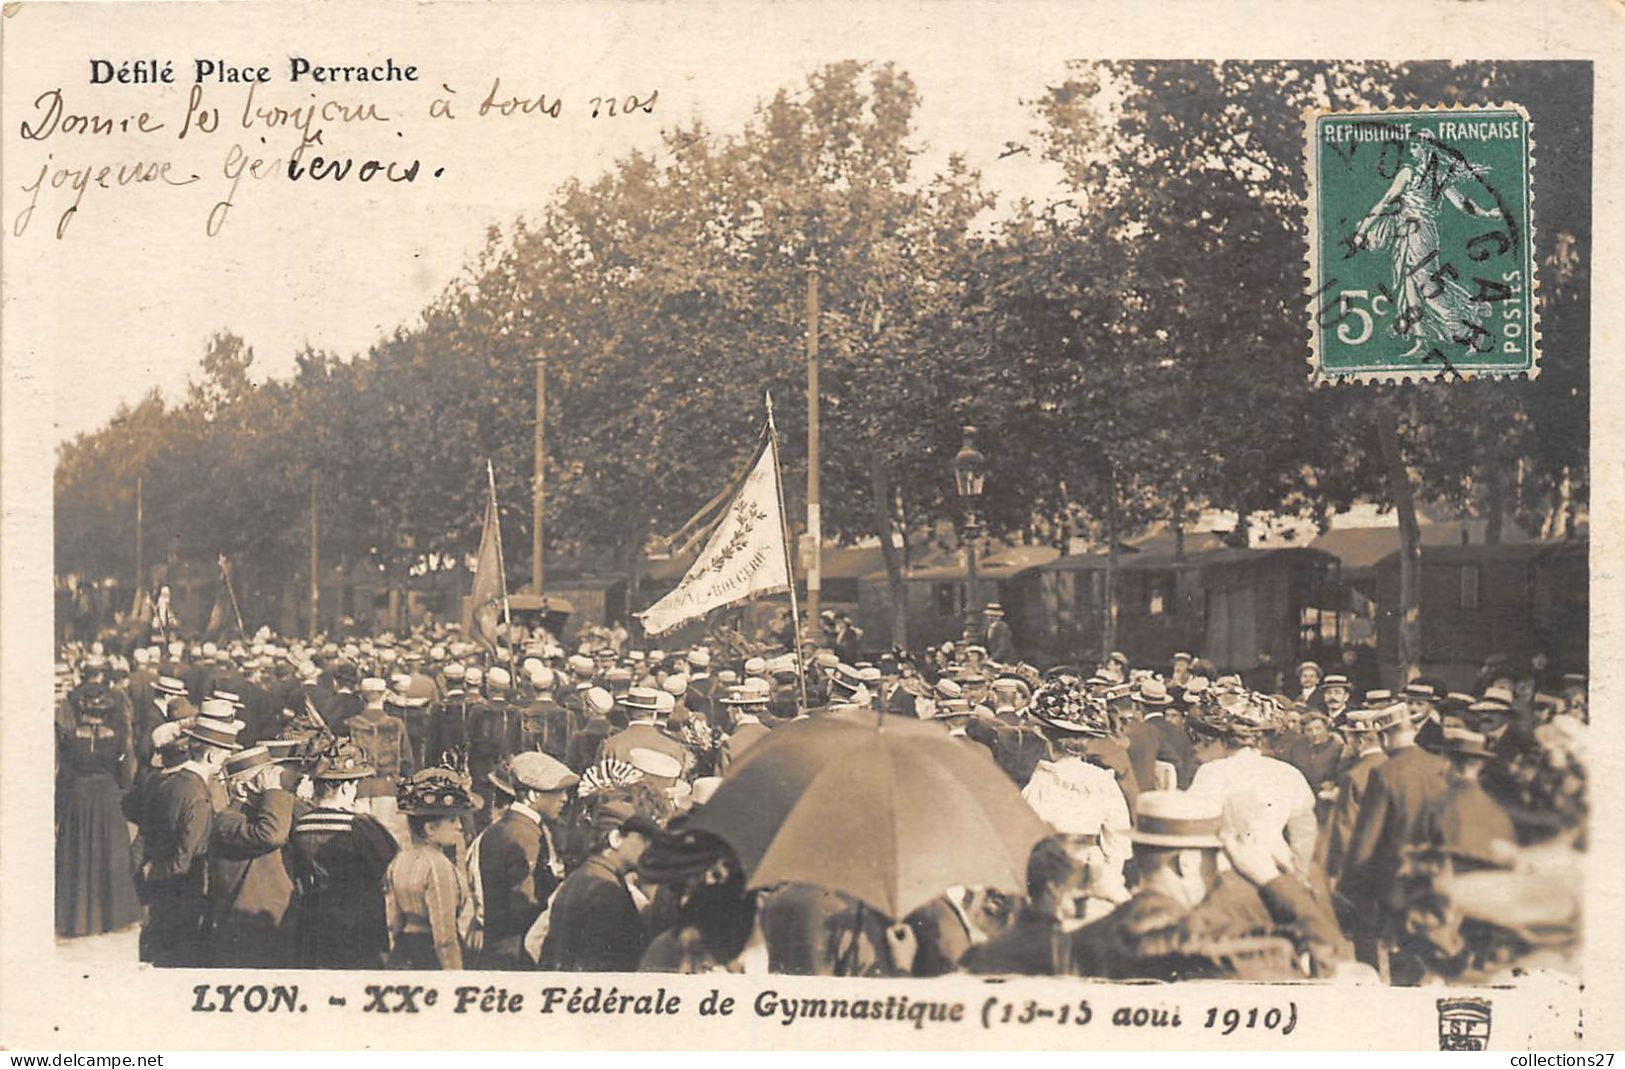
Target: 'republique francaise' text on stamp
(1421, 245)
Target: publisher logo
(1464, 1024)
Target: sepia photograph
(1102, 520)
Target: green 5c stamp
(1421, 235)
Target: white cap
(400, 681)
(372, 685)
(704, 788)
(599, 700)
(141, 655)
(498, 678)
(699, 657)
(755, 666)
(665, 702)
(541, 677)
(676, 683)
(472, 675)
(654, 763)
(582, 665)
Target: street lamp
(970, 476)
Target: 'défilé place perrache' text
(87, 132)
(218, 71)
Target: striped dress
(337, 859)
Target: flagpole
(225, 572)
(502, 569)
(789, 564)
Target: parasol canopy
(891, 815)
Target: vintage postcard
(810, 525)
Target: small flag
(745, 555)
(485, 604)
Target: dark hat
(434, 792)
(342, 760)
(1065, 706)
(677, 856)
(283, 750)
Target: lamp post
(970, 477)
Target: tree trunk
(896, 588)
(1495, 493)
(1410, 546)
(631, 561)
(1108, 630)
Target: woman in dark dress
(337, 858)
(95, 881)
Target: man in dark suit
(1000, 642)
(1399, 791)
(745, 706)
(581, 752)
(1186, 915)
(593, 924)
(642, 705)
(176, 822)
(1035, 944)
(249, 887)
(1362, 734)
(519, 863)
(702, 688)
(1173, 741)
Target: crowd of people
(420, 801)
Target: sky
(126, 300)
(128, 297)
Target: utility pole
(815, 536)
(315, 580)
(536, 482)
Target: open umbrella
(892, 815)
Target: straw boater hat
(1152, 692)
(247, 762)
(1466, 743)
(643, 699)
(1177, 819)
(745, 696)
(216, 724)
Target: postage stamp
(1421, 238)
